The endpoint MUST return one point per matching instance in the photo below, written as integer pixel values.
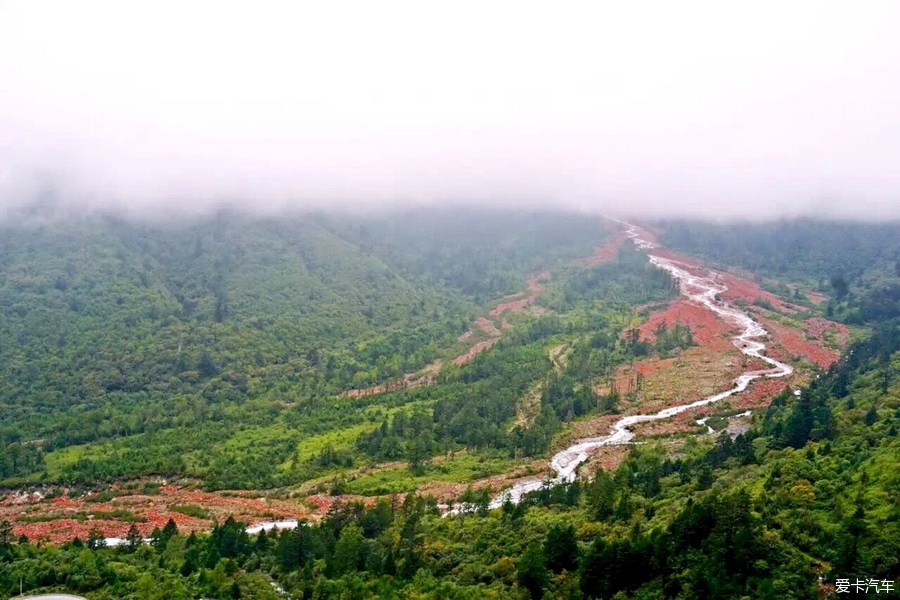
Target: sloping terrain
(284, 450)
(156, 349)
(780, 502)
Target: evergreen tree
(133, 538)
(532, 571)
(561, 549)
(96, 539)
(6, 537)
(348, 552)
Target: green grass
(191, 510)
(461, 468)
(345, 439)
(341, 439)
(248, 438)
(794, 321)
(59, 459)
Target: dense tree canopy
(224, 357)
(119, 330)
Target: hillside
(762, 515)
(117, 329)
(777, 491)
(834, 258)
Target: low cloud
(661, 109)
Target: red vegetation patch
(396, 384)
(61, 519)
(514, 303)
(755, 364)
(321, 503)
(759, 393)
(592, 427)
(470, 354)
(487, 326)
(816, 298)
(796, 343)
(650, 233)
(535, 286)
(423, 377)
(749, 291)
(607, 458)
(817, 328)
(697, 373)
(706, 328)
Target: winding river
(566, 462)
(698, 289)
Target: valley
(497, 407)
(705, 366)
(419, 301)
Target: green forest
(810, 491)
(836, 258)
(135, 333)
(218, 350)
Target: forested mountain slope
(481, 253)
(112, 328)
(804, 499)
(837, 258)
(268, 438)
(803, 247)
(779, 504)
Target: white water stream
(698, 289)
(566, 462)
(255, 529)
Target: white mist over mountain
(707, 109)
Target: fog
(710, 109)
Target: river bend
(701, 290)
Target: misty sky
(692, 108)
